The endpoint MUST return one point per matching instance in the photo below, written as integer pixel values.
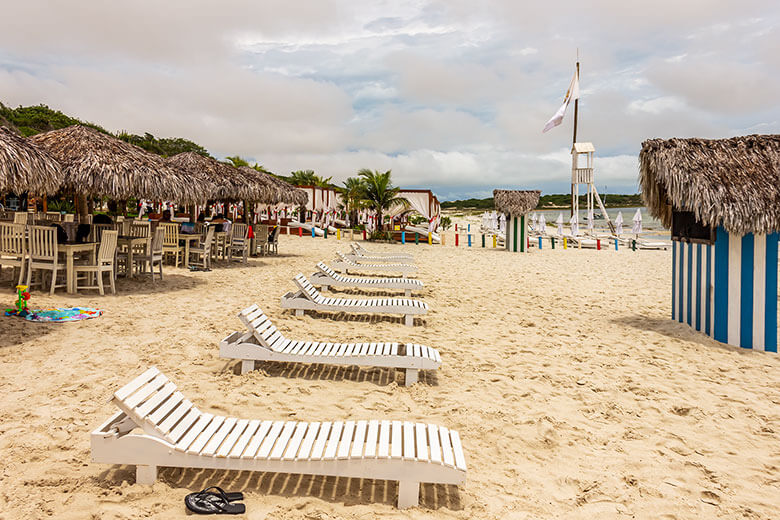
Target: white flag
(572, 93)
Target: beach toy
(22, 296)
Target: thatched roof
(282, 192)
(730, 182)
(516, 202)
(101, 165)
(24, 167)
(224, 181)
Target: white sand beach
(575, 394)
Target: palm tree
(379, 192)
(309, 178)
(353, 191)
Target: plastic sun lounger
(309, 298)
(360, 252)
(177, 434)
(327, 277)
(346, 264)
(262, 341)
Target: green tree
(353, 191)
(309, 178)
(379, 192)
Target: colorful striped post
(540, 243)
(430, 238)
(728, 289)
(469, 237)
(338, 234)
(633, 245)
(364, 234)
(564, 243)
(469, 228)
(312, 231)
(325, 232)
(483, 240)
(416, 238)
(552, 242)
(598, 244)
(616, 244)
(456, 239)
(300, 232)
(495, 241)
(403, 237)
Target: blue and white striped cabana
(721, 199)
(516, 204)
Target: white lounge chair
(327, 277)
(347, 264)
(309, 298)
(358, 248)
(177, 434)
(262, 341)
(362, 256)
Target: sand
(574, 393)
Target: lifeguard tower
(582, 173)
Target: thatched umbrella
(730, 182)
(24, 167)
(97, 164)
(516, 202)
(224, 181)
(280, 192)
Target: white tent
(619, 224)
(559, 221)
(575, 227)
(637, 227)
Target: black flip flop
(214, 503)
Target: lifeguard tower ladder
(584, 176)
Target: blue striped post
(540, 243)
(416, 238)
(312, 231)
(469, 235)
(403, 237)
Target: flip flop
(230, 497)
(210, 503)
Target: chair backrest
(327, 270)
(344, 258)
(20, 217)
(43, 243)
(209, 239)
(240, 232)
(199, 228)
(98, 229)
(171, 237)
(261, 233)
(69, 217)
(107, 247)
(12, 241)
(141, 229)
(274, 235)
(158, 240)
(307, 288)
(53, 215)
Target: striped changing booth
(728, 289)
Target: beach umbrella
(575, 227)
(533, 221)
(637, 227)
(559, 221)
(542, 224)
(590, 221)
(619, 223)
(98, 164)
(25, 167)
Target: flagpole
(574, 137)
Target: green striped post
(514, 234)
(522, 234)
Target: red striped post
(364, 234)
(300, 232)
(598, 244)
(456, 237)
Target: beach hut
(721, 199)
(516, 204)
(25, 167)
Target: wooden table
(187, 238)
(130, 242)
(69, 249)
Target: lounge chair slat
(196, 430)
(284, 438)
(184, 425)
(460, 460)
(446, 447)
(409, 444)
(165, 408)
(150, 404)
(433, 442)
(314, 346)
(333, 441)
(301, 347)
(145, 391)
(384, 439)
(346, 440)
(291, 452)
(176, 414)
(319, 444)
(396, 445)
(230, 440)
(358, 442)
(270, 440)
(422, 441)
(124, 392)
(308, 441)
(319, 349)
(206, 434)
(219, 436)
(394, 351)
(243, 441)
(371, 439)
(257, 440)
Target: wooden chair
(273, 241)
(69, 217)
(171, 242)
(12, 247)
(155, 253)
(203, 251)
(54, 216)
(43, 255)
(96, 234)
(261, 239)
(104, 264)
(239, 242)
(20, 217)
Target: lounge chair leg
(409, 320)
(411, 376)
(324, 288)
(145, 475)
(408, 494)
(247, 365)
(407, 292)
(299, 312)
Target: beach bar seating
(361, 256)
(175, 433)
(326, 277)
(721, 198)
(262, 341)
(309, 298)
(516, 205)
(347, 264)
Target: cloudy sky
(450, 95)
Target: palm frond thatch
(222, 180)
(100, 165)
(516, 202)
(731, 182)
(275, 191)
(25, 167)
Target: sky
(451, 95)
